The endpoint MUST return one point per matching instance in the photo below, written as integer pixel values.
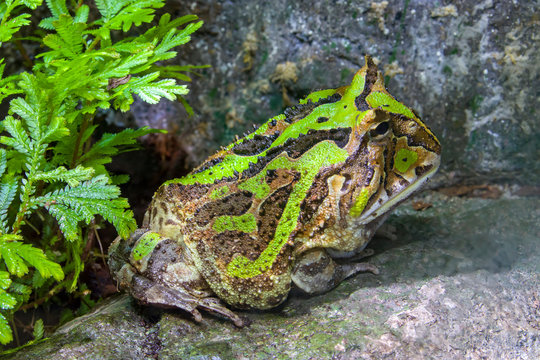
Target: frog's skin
(276, 207)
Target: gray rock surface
(458, 280)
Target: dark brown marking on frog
(322, 119)
(171, 222)
(371, 79)
(315, 195)
(296, 147)
(421, 170)
(230, 242)
(164, 207)
(235, 205)
(297, 112)
(270, 212)
(271, 175)
(256, 145)
(208, 164)
(179, 194)
(420, 137)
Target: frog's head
(395, 151)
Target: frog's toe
(216, 306)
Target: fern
(54, 183)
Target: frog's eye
(380, 130)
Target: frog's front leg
(157, 271)
(315, 271)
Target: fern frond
(39, 330)
(67, 219)
(121, 14)
(5, 280)
(19, 139)
(68, 42)
(113, 144)
(3, 161)
(175, 38)
(81, 16)
(81, 203)
(39, 260)
(17, 255)
(73, 176)
(122, 67)
(57, 8)
(32, 4)
(7, 84)
(8, 190)
(6, 335)
(165, 24)
(152, 92)
(14, 263)
(31, 116)
(10, 27)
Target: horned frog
(277, 207)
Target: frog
(291, 205)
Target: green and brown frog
(276, 208)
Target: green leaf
(32, 4)
(5, 280)
(6, 335)
(16, 255)
(3, 161)
(6, 300)
(68, 221)
(113, 144)
(123, 66)
(121, 14)
(31, 116)
(81, 203)
(151, 92)
(57, 8)
(10, 27)
(14, 263)
(166, 88)
(173, 39)
(68, 42)
(73, 177)
(82, 14)
(39, 330)
(8, 190)
(19, 139)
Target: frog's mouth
(376, 210)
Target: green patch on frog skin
(322, 154)
(404, 159)
(219, 192)
(244, 223)
(360, 203)
(256, 185)
(145, 245)
(387, 102)
(317, 95)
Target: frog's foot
(152, 293)
(316, 272)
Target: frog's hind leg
(316, 272)
(157, 271)
(152, 293)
